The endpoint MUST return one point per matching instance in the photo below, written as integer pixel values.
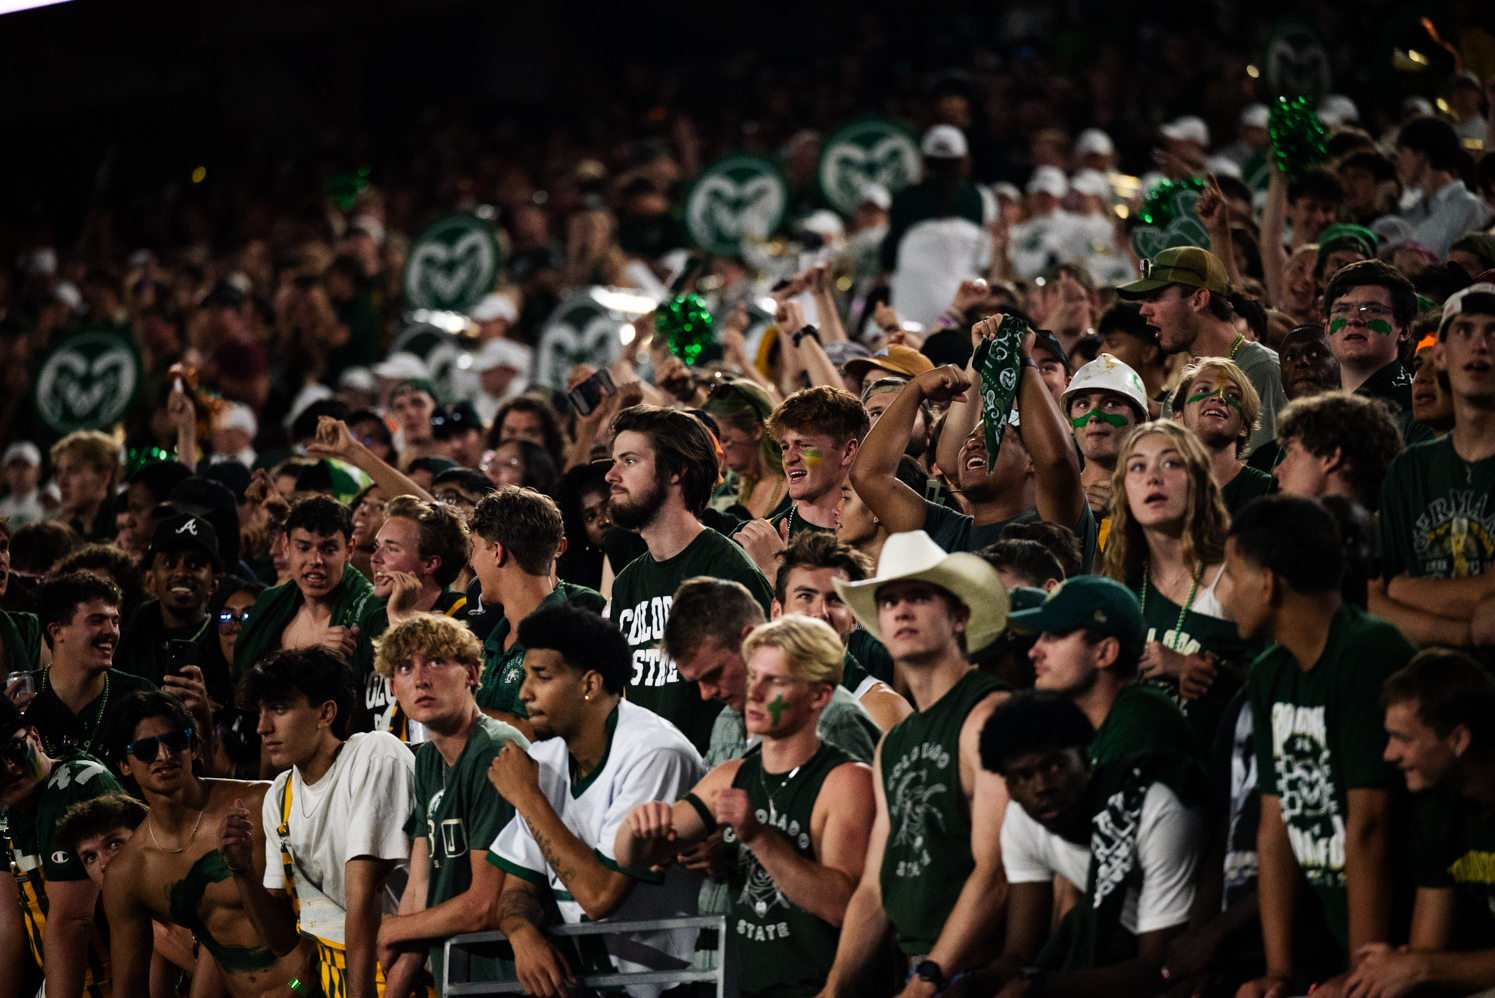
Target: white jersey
(1167, 853)
(357, 809)
(648, 759)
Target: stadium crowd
(968, 587)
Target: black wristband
(1027, 362)
(807, 331)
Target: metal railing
(458, 951)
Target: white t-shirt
(1167, 852)
(357, 809)
(648, 759)
(934, 256)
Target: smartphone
(588, 395)
(180, 653)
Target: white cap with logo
(944, 142)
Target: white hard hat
(1106, 373)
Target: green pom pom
(1157, 207)
(685, 323)
(1298, 138)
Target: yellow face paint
(813, 458)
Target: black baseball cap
(1093, 602)
(186, 532)
(459, 417)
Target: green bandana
(1116, 419)
(1223, 397)
(998, 364)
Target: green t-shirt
(1142, 721)
(797, 523)
(956, 531)
(1248, 484)
(871, 653)
(503, 671)
(927, 856)
(1437, 519)
(276, 607)
(1452, 844)
(1319, 735)
(64, 732)
(37, 858)
(458, 812)
(20, 641)
(378, 710)
(1392, 384)
(642, 595)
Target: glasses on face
(232, 620)
(146, 749)
(15, 751)
(455, 499)
(1370, 310)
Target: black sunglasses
(146, 749)
(15, 751)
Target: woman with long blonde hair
(756, 488)
(1167, 544)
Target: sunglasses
(15, 751)
(229, 619)
(146, 749)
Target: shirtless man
(175, 872)
(326, 597)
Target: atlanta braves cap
(185, 532)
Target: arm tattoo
(522, 904)
(552, 855)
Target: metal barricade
(458, 950)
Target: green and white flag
(580, 331)
(88, 381)
(452, 265)
(867, 150)
(735, 198)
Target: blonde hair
(430, 634)
(98, 450)
(812, 650)
(1250, 400)
(1206, 521)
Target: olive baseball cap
(1095, 602)
(1198, 268)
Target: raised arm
(874, 472)
(335, 440)
(809, 353)
(1214, 211)
(964, 414)
(1273, 221)
(1047, 436)
(184, 417)
(843, 818)
(825, 303)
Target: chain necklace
(152, 826)
(773, 809)
(1239, 339)
(97, 718)
(1178, 628)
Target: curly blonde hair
(1206, 521)
(432, 635)
(812, 650)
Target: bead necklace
(1178, 628)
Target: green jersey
(1143, 720)
(37, 858)
(1319, 736)
(783, 950)
(1392, 384)
(927, 856)
(1453, 845)
(20, 642)
(956, 531)
(1437, 518)
(503, 671)
(379, 710)
(642, 595)
(64, 732)
(277, 606)
(458, 813)
(1248, 484)
(797, 523)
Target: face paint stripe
(1223, 397)
(777, 708)
(1114, 418)
(812, 457)
(1380, 325)
(1335, 325)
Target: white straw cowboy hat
(913, 557)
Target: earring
(587, 697)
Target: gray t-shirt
(1265, 374)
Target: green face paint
(1380, 325)
(1116, 419)
(32, 766)
(1335, 325)
(812, 457)
(1223, 397)
(776, 708)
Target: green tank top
(928, 854)
(784, 951)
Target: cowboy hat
(913, 557)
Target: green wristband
(301, 989)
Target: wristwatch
(1036, 980)
(930, 973)
(807, 331)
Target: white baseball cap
(1254, 116)
(1458, 303)
(1093, 140)
(1002, 189)
(502, 353)
(944, 142)
(400, 366)
(1189, 128)
(1091, 182)
(494, 306)
(1336, 109)
(1049, 180)
(1222, 166)
(23, 450)
(1417, 105)
(876, 193)
(359, 379)
(826, 224)
(237, 417)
